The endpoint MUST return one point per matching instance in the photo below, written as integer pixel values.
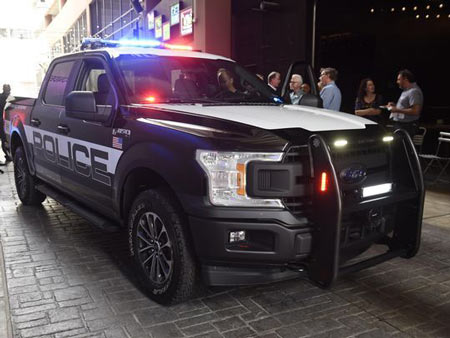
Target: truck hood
(274, 117)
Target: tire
(25, 182)
(161, 247)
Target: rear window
(56, 87)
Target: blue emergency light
(94, 43)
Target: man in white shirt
(296, 86)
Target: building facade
(263, 35)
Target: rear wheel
(161, 247)
(25, 182)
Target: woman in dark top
(368, 102)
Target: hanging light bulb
(417, 16)
(428, 6)
(415, 8)
(403, 9)
(392, 9)
(438, 16)
(372, 10)
(427, 16)
(441, 5)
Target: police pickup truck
(213, 175)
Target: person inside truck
(226, 83)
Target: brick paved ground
(66, 279)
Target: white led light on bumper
(377, 190)
(227, 173)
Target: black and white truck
(212, 174)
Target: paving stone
(228, 324)
(165, 331)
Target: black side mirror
(81, 105)
(311, 100)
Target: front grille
(299, 205)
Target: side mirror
(311, 100)
(81, 105)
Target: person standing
(296, 86)
(274, 80)
(368, 102)
(3, 98)
(408, 108)
(330, 93)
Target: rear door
(95, 148)
(43, 132)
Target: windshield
(161, 79)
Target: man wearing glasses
(296, 86)
(330, 93)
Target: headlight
(227, 173)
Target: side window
(95, 79)
(56, 87)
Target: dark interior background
(361, 44)
(355, 41)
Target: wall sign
(151, 20)
(186, 21)
(175, 14)
(166, 31)
(158, 27)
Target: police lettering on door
(86, 159)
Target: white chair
(418, 139)
(443, 160)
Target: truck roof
(118, 51)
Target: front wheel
(25, 182)
(160, 244)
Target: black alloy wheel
(161, 247)
(155, 248)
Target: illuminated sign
(175, 14)
(186, 21)
(158, 27)
(166, 31)
(151, 20)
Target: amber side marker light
(323, 182)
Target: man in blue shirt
(330, 93)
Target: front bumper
(314, 248)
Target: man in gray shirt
(407, 110)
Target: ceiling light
(427, 16)
(415, 8)
(441, 5)
(417, 16)
(438, 16)
(372, 10)
(428, 6)
(403, 9)
(392, 9)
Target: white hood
(276, 117)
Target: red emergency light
(323, 182)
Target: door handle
(35, 122)
(62, 129)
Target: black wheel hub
(154, 248)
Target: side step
(93, 217)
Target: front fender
(175, 164)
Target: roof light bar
(94, 43)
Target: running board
(94, 218)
